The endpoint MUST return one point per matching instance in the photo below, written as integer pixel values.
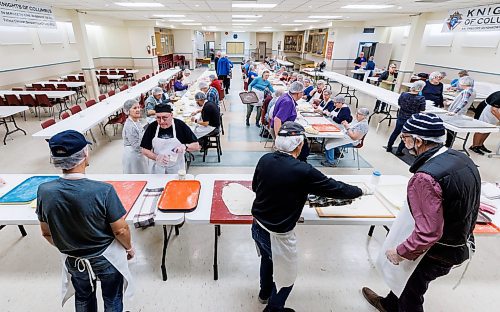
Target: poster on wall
(480, 18)
(329, 50)
(25, 14)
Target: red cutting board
(128, 192)
(219, 214)
(489, 228)
(326, 128)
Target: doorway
(262, 50)
(368, 48)
(210, 49)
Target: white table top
(25, 214)
(284, 63)
(467, 124)
(93, 115)
(6, 111)
(113, 77)
(69, 84)
(202, 213)
(305, 121)
(50, 94)
(128, 71)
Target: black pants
(203, 141)
(450, 138)
(226, 82)
(412, 298)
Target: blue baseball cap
(66, 143)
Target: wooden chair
(213, 141)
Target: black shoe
(476, 149)
(388, 149)
(328, 164)
(373, 299)
(263, 301)
(399, 153)
(257, 124)
(248, 123)
(484, 149)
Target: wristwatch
(186, 146)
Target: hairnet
(364, 111)
(279, 92)
(70, 162)
(162, 81)
(338, 98)
(466, 81)
(307, 80)
(434, 75)
(321, 82)
(329, 92)
(157, 90)
(203, 85)
(187, 71)
(296, 87)
(417, 86)
(288, 143)
(212, 77)
(463, 72)
(439, 140)
(199, 96)
(128, 105)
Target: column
(411, 50)
(84, 50)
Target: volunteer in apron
(166, 140)
(85, 220)
(281, 183)
(433, 231)
(133, 160)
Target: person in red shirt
(214, 82)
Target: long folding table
(207, 210)
(7, 114)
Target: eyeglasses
(403, 137)
(164, 118)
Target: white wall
(483, 63)
(247, 37)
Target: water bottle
(375, 179)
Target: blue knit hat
(424, 125)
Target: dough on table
(238, 199)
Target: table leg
(216, 268)
(21, 229)
(7, 131)
(370, 231)
(465, 143)
(166, 238)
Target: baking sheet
(326, 127)
(363, 207)
(180, 195)
(219, 213)
(26, 191)
(489, 228)
(128, 192)
(317, 121)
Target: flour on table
(238, 199)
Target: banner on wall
(481, 18)
(329, 50)
(25, 14)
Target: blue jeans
(111, 285)
(267, 286)
(330, 153)
(400, 122)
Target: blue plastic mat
(26, 191)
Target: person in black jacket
(281, 183)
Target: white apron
(285, 257)
(116, 255)
(133, 162)
(165, 147)
(260, 96)
(396, 276)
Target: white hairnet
(279, 92)
(70, 162)
(187, 71)
(200, 96)
(162, 81)
(288, 143)
(466, 81)
(329, 92)
(157, 90)
(364, 111)
(203, 85)
(321, 82)
(296, 87)
(434, 75)
(417, 86)
(128, 105)
(212, 77)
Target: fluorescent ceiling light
(239, 31)
(140, 4)
(291, 24)
(191, 24)
(181, 20)
(268, 27)
(254, 5)
(326, 16)
(242, 24)
(306, 21)
(367, 6)
(246, 16)
(168, 15)
(245, 20)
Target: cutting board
(363, 207)
(25, 192)
(219, 214)
(128, 192)
(180, 196)
(393, 194)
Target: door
(210, 49)
(262, 50)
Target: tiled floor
(335, 262)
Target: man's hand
(180, 149)
(130, 253)
(366, 190)
(345, 124)
(161, 160)
(393, 256)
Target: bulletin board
(235, 48)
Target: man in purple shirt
(443, 197)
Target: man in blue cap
(84, 219)
(442, 207)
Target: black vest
(461, 190)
